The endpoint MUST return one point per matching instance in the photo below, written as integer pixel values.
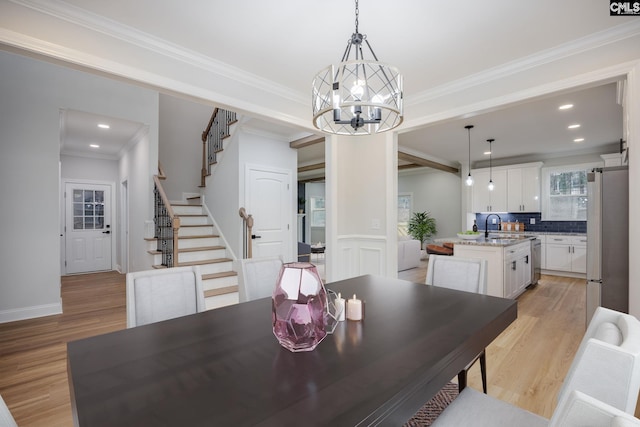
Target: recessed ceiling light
(103, 126)
(94, 146)
(576, 126)
(486, 153)
(578, 140)
(565, 107)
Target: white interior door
(87, 227)
(268, 200)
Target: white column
(361, 205)
(633, 141)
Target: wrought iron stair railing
(213, 139)
(167, 226)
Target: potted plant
(422, 226)
(301, 203)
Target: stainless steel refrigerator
(608, 239)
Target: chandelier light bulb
(490, 186)
(357, 90)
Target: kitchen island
(508, 261)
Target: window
(88, 210)
(317, 212)
(404, 212)
(564, 192)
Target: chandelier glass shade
(490, 186)
(358, 96)
(469, 180)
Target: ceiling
(285, 42)
(80, 133)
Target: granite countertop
(501, 238)
(492, 240)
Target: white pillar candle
(354, 308)
(340, 307)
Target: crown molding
(75, 15)
(592, 41)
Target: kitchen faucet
(486, 224)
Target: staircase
(199, 244)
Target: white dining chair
(162, 294)
(257, 277)
(606, 368)
(577, 409)
(463, 274)
(6, 419)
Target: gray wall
(436, 192)
(32, 93)
(181, 125)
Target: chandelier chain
(357, 15)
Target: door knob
(106, 232)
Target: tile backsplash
(540, 226)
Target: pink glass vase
(299, 307)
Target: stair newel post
(250, 236)
(176, 229)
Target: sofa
(304, 252)
(408, 253)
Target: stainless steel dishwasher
(536, 254)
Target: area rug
(430, 411)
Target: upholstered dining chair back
(607, 363)
(463, 274)
(162, 294)
(257, 277)
(6, 419)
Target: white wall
(73, 167)
(181, 125)
(436, 192)
(32, 93)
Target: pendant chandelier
(358, 96)
(469, 180)
(490, 186)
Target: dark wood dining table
(224, 367)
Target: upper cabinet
(517, 189)
(485, 200)
(523, 189)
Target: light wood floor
(526, 364)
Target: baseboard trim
(16, 314)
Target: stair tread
(201, 248)
(200, 236)
(191, 215)
(219, 275)
(186, 204)
(221, 291)
(206, 261)
(195, 225)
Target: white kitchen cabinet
(517, 269)
(523, 189)
(566, 253)
(484, 200)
